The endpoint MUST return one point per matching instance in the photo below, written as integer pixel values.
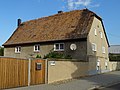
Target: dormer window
(18, 49)
(36, 48)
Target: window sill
(94, 50)
(17, 52)
(36, 51)
(59, 50)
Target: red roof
(68, 25)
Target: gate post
(29, 72)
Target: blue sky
(11, 10)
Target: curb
(103, 86)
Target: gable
(95, 37)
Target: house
(114, 52)
(114, 49)
(79, 33)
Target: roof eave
(14, 44)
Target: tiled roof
(68, 25)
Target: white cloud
(74, 4)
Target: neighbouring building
(114, 49)
(79, 33)
(114, 52)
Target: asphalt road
(85, 83)
(113, 87)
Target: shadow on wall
(118, 65)
(88, 66)
(101, 79)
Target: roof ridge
(59, 14)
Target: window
(106, 64)
(59, 47)
(94, 47)
(38, 66)
(103, 49)
(98, 65)
(101, 35)
(95, 31)
(36, 48)
(18, 49)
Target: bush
(57, 55)
(38, 56)
(1, 51)
(114, 57)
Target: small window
(59, 47)
(36, 48)
(38, 66)
(18, 49)
(98, 65)
(94, 47)
(101, 34)
(106, 64)
(103, 49)
(95, 31)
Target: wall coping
(72, 60)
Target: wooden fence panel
(13, 72)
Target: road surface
(113, 87)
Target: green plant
(57, 55)
(1, 51)
(38, 56)
(114, 57)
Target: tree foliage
(1, 51)
(114, 57)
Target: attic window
(18, 49)
(95, 31)
(37, 48)
(101, 35)
(59, 47)
(103, 49)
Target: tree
(1, 51)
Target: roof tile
(68, 25)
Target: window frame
(95, 47)
(38, 48)
(101, 35)
(18, 49)
(106, 64)
(95, 31)
(59, 47)
(103, 49)
(98, 65)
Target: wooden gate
(14, 72)
(37, 72)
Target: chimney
(60, 11)
(19, 22)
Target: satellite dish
(73, 47)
